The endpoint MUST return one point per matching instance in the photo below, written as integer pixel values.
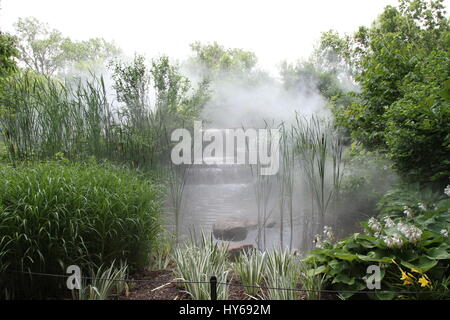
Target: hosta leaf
(423, 264)
(343, 278)
(346, 256)
(318, 270)
(439, 253)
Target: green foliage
(217, 60)
(197, 262)
(413, 196)
(417, 125)
(42, 116)
(403, 72)
(320, 151)
(250, 269)
(47, 51)
(281, 272)
(53, 215)
(104, 283)
(162, 255)
(312, 283)
(418, 242)
(7, 53)
(309, 77)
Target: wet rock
(253, 224)
(230, 231)
(235, 250)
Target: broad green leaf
(439, 253)
(423, 264)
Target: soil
(160, 290)
(163, 289)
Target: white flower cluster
(375, 225)
(444, 232)
(394, 241)
(447, 190)
(402, 234)
(328, 232)
(412, 233)
(318, 241)
(422, 206)
(407, 211)
(388, 222)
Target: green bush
(418, 126)
(410, 244)
(402, 108)
(53, 215)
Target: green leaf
(423, 264)
(372, 256)
(346, 256)
(439, 253)
(343, 278)
(318, 270)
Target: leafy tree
(217, 59)
(402, 67)
(7, 53)
(418, 124)
(308, 76)
(47, 51)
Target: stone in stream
(235, 250)
(236, 229)
(230, 231)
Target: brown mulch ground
(155, 291)
(164, 290)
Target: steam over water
(226, 192)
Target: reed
(281, 272)
(250, 269)
(54, 215)
(197, 261)
(285, 178)
(312, 283)
(320, 152)
(103, 284)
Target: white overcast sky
(273, 29)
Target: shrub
(250, 270)
(410, 245)
(53, 215)
(281, 272)
(197, 262)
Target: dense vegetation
(57, 214)
(82, 169)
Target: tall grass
(54, 215)
(320, 152)
(103, 284)
(42, 116)
(263, 186)
(176, 180)
(250, 269)
(312, 283)
(281, 273)
(197, 262)
(286, 181)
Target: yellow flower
(407, 278)
(424, 281)
(416, 270)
